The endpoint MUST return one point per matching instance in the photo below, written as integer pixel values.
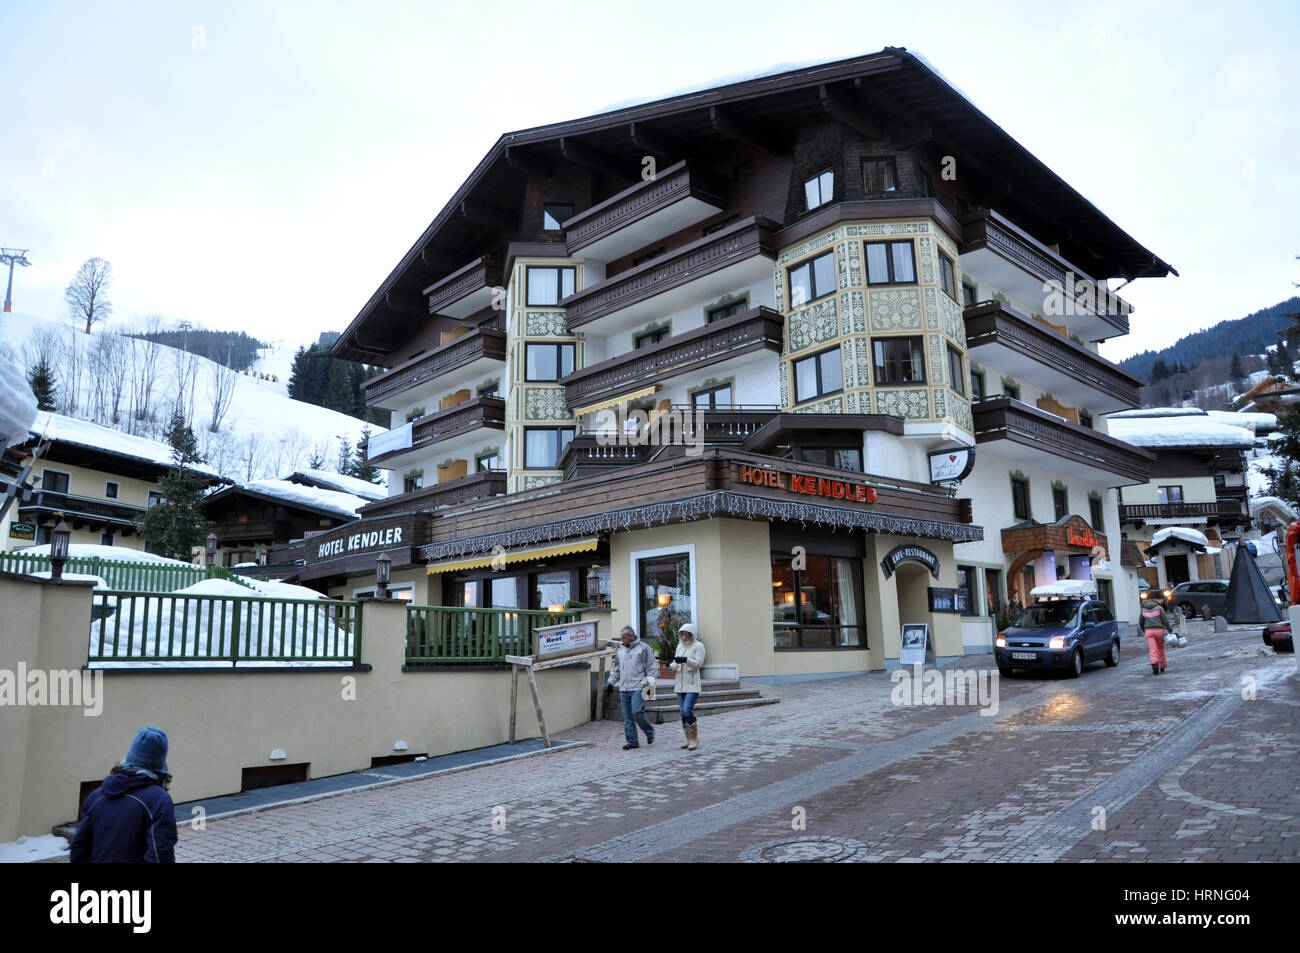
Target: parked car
(1278, 635)
(1059, 634)
(1192, 597)
(1156, 594)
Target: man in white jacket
(634, 667)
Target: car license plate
(1030, 656)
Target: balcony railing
(478, 344)
(476, 486)
(756, 329)
(251, 529)
(450, 635)
(483, 274)
(81, 508)
(1220, 510)
(1002, 418)
(991, 322)
(452, 422)
(741, 241)
(674, 184)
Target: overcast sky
(262, 167)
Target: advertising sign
(916, 642)
(951, 466)
(22, 531)
(570, 638)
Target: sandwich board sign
(916, 644)
(569, 638)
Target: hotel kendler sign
(807, 485)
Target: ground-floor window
(403, 591)
(993, 590)
(1106, 593)
(818, 604)
(666, 599)
(967, 601)
(551, 589)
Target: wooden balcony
(479, 344)
(233, 532)
(745, 240)
(476, 486)
(1231, 512)
(676, 198)
(466, 290)
(1030, 433)
(1005, 340)
(80, 509)
(464, 417)
(753, 330)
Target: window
(154, 499)
(976, 385)
(547, 362)
(106, 539)
(1095, 513)
(955, 377)
(818, 375)
(554, 216)
(947, 276)
(890, 263)
(665, 600)
(647, 256)
(969, 294)
(110, 491)
(1011, 390)
(413, 482)
(1171, 494)
(812, 279)
(966, 598)
(547, 285)
(551, 589)
(489, 461)
(650, 337)
(1085, 419)
(712, 398)
(53, 481)
(817, 606)
(718, 312)
(879, 175)
(899, 360)
(1020, 498)
(993, 590)
(819, 189)
(544, 445)
(1106, 593)
(841, 458)
(725, 223)
(1061, 501)
(1220, 480)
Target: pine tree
(362, 468)
(1235, 369)
(1159, 370)
(175, 526)
(344, 463)
(41, 379)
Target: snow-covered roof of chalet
(1182, 534)
(337, 481)
(311, 497)
(83, 433)
(1169, 427)
(1259, 504)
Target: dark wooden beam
(407, 304)
(596, 159)
(437, 260)
(751, 133)
(842, 108)
(533, 163)
(481, 213)
(659, 143)
(911, 138)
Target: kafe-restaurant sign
(826, 487)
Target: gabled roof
(313, 499)
(97, 440)
(893, 90)
(329, 480)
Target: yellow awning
(523, 555)
(643, 392)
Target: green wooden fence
(150, 627)
(450, 635)
(123, 575)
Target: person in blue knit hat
(130, 818)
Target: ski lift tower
(11, 257)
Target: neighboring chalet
(721, 357)
(99, 480)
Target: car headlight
(1169, 593)
(1057, 642)
(1143, 595)
(1001, 641)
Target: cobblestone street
(1116, 765)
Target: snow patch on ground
(27, 849)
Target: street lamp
(383, 572)
(210, 548)
(60, 544)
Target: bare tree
(295, 444)
(70, 364)
(185, 367)
(250, 456)
(86, 295)
(145, 370)
(221, 391)
(43, 346)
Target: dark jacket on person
(1155, 617)
(129, 819)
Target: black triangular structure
(1249, 598)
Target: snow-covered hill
(255, 432)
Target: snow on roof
(1196, 429)
(1259, 421)
(1260, 502)
(1160, 412)
(332, 501)
(1180, 532)
(344, 484)
(17, 405)
(83, 433)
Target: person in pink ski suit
(1155, 623)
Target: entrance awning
(620, 399)
(523, 555)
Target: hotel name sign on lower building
(810, 485)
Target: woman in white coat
(687, 664)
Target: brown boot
(686, 731)
(693, 734)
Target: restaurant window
(110, 490)
(1020, 498)
(712, 398)
(812, 279)
(547, 362)
(1061, 501)
(819, 190)
(649, 337)
(818, 375)
(969, 295)
(548, 284)
(551, 589)
(1171, 494)
(554, 216)
(503, 593)
(54, 481)
(976, 385)
(967, 598)
(879, 175)
(993, 590)
(1095, 513)
(817, 606)
(488, 461)
(718, 312)
(890, 263)
(899, 360)
(666, 602)
(947, 276)
(412, 482)
(543, 446)
(841, 458)
(955, 376)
